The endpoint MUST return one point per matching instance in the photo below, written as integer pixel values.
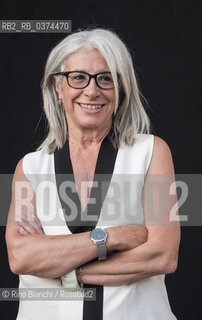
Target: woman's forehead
(86, 58)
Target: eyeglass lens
(80, 80)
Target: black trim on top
(103, 172)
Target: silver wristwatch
(99, 237)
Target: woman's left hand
(29, 225)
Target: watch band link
(101, 250)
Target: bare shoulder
(19, 172)
(19, 176)
(161, 161)
(19, 167)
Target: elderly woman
(97, 127)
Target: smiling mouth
(91, 106)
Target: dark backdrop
(165, 38)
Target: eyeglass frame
(66, 74)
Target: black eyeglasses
(81, 79)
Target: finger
(32, 224)
(22, 231)
(30, 229)
(37, 225)
(39, 230)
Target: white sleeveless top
(142, 300)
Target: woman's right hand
(127, 237)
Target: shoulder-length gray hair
(129, 116)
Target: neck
(86, 138)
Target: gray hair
(129, 117)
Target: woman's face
(78, 103)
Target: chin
(90, 125)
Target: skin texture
(139, 251)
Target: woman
(97, 126)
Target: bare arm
(32, 252)
(159, 254)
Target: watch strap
(101, 250)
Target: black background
(165, 39)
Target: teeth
(90, 106)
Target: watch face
(98, 234)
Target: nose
(92, 89)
